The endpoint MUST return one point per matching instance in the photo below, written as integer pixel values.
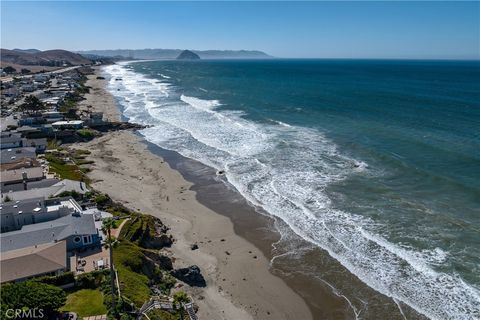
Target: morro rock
(188, 55)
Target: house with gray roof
(30, 185)
(10, 140)
(39, 144)
(77, 230)
(44, 190)
(14, 154)
(16, 214)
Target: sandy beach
(239, 283)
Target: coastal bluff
(188, 55)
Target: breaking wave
(285, 169)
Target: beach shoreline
(239, 283)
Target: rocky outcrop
(147, 231)
(164, 262)
(188, 55)
(158, 241)
(191, 276)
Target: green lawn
(85, 303)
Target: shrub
(65, 278)
(167, 283)
(74, 194)
(32, 103)
(94, 279)
(86, 133)
(102, 199)
(30, 295)
(9, 70)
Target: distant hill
(188, 55)
(27, 50)
(51, 58)
(152, 54)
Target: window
(87, 239)
(76, 239)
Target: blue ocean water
(377, 162)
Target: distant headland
(153, 54)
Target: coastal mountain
(152, 54)
(52, 58)
(188, 55)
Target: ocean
(376, 163)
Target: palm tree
(107, 225)
(179, 298)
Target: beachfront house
(16, 214)
(43, 189)
(52, 116)
(21, 175)
(74, 124)
(77, 230)
(20, 163)
(48, 259)
(14, 154)
(39, 144)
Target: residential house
(10, 140)
(14, 154)
(74, 124)
(31, 119)
(20, 163)
(41, 77)
(40, 144)
(21, 175)
(46, 191)
(48, 259)
(53, 116)
(28, 87)
(16, 214)
(28, 186)
(78, 230)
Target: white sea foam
(285, 169)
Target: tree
(107, 225)
(179, 298)
(9, 70)
(25, 71)
(7, 199)
(30, 295)
(32, 103)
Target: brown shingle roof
(32, 261)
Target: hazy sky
(283, 29)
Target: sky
(393, 29)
